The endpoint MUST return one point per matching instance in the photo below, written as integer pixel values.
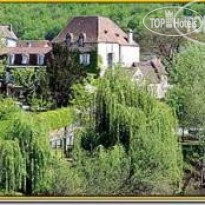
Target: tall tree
(188, 79)
(64, 70)
(120, 112)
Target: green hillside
(44, 20)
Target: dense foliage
(122, 113)
(125, 144)
(188, 79)
(187, 99)
(63, 70)
(25, 153)
(56, 119)
(35, 85)
(39, 21)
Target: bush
(105, 171)
(56, 119)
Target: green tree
(63, 70)
(187, 98)
(24, 151)
(120, 112)
(188, 79)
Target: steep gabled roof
(147, 71)
(6, 32)
(151, 70)
(97, 29)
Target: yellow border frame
(105, 199)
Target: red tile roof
(28, 47)
(33, 43)
(97, 29)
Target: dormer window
(81, 39)
(25, 59)
(40, 59)
(69, 39)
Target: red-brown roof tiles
(97, 29)
(28, 47)
(33, 43)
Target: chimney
(28, 44)
(10, 27)
(130, 36)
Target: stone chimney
(28, 43)
(130, 36)
(10, 27)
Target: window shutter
(81, 58)
(40, 59)
(25, 59)
(11, 59)
(88, 59)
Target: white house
(8, 37)
(112, 44)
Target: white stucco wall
(11, 43)
(8, 42)
(125, 55)
(104, 49)
(129, 55)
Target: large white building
(112, 44)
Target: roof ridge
(33, 40)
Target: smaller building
(27, 53)
(7, 36)
(152, 74)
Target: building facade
(112, 45)
(27, 53)
(23, 53)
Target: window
(11, 59)
(69, 39)
(40, 59)
(81, 39)
(25, 59)
(110, 59)
(85, 58)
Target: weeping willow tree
(24, 151)
(120, 112)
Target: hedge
(56, 119)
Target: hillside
(39, 21)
